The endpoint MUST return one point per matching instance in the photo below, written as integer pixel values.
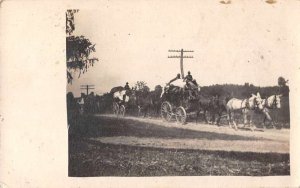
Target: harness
(255, 103)
(247, 105)
(274, 103)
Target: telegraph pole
(181, 58)
(87, 88)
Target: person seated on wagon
(189, 77)
(191, 85)
(174, 79)
(168, 86)
(190, 81)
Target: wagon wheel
(122, 110)
(115, 108)
(166, 111)
(181, 115)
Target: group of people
(191, 84)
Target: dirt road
(200, 137)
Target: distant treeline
(243, 91)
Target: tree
(142, 86)
(78, 49)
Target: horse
(218, 107)
(156, 101)
(202, 103)
(272, 102)
(144, 102)
(247, 106)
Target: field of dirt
(104, 145)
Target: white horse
(272, 102)
(119, 95)
(246, 106)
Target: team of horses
(149, 102)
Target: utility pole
(87, 88)
(181, 58)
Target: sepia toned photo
(150, 94)
(143, 93)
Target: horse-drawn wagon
(123, 100)
(179, 102)
(118, 105)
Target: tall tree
(78, 49)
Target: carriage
(178, 103)
(118, 105)
(123, 101)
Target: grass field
(90, 155)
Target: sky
(245, 41)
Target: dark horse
(203, 104)
(218, 108)
(144, 102)
(147, 102)
(214, 105)
(156, 101)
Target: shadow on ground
(91, 126)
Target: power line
(87, 88)
(181, 58)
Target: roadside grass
(93, 159)
(88, 158)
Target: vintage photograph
(160, 89)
